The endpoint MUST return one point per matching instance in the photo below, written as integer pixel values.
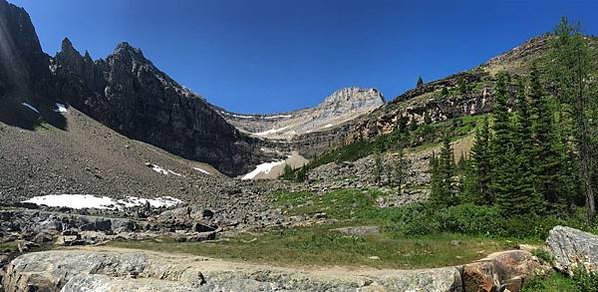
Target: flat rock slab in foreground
(107, 269)
(573, 249)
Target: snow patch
(273, 131)
(161, 170)
(60, 108)
(328, 126)
(77, 201)
(277, 117)
(201, 170)
(262, 168)
(29, 107)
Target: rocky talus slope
(341, 106)
(125, 92)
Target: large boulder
(501, 270)
(573, 249)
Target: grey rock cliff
(129, 94)
(341, 106)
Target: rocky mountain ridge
(125, 91)
(129, 94)
(341, 106)
(470, 92)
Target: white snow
(328, 125)
(265, 117)
(262, 168)
(161, 170)
(277, 117)
(239, 116)
(272, 131)
(201, 170)
(60, 108)
(30, 107)
(77, 201)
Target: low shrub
(584, 280)
(470, 219)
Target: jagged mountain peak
(126, 48)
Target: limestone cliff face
(130, 95)
(341, 106)
(441, 100)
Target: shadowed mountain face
(23, 65)
(129, 94)
(125, 91)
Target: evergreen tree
(400, 171)
(548, 167)
(420, 81)
(481, 166)
(527, 199)
(444, 91)
(501, 146)
(427, 118)
(443, 172)
(504, 155)
(462, 86)
(572, 69)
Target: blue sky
(277, 55)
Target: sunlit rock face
(341, 106)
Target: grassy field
(555, 282)
(320, 246)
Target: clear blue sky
(278, 55)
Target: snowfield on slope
(78, 201)
(262, 168)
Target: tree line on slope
(537, 153)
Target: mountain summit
(341, 106)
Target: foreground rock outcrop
(573, 249)
(502, 270)
(125, 270)
(110, 269)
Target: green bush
(585, 281)
(414, 219)
(543, 254)
(470, 219)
